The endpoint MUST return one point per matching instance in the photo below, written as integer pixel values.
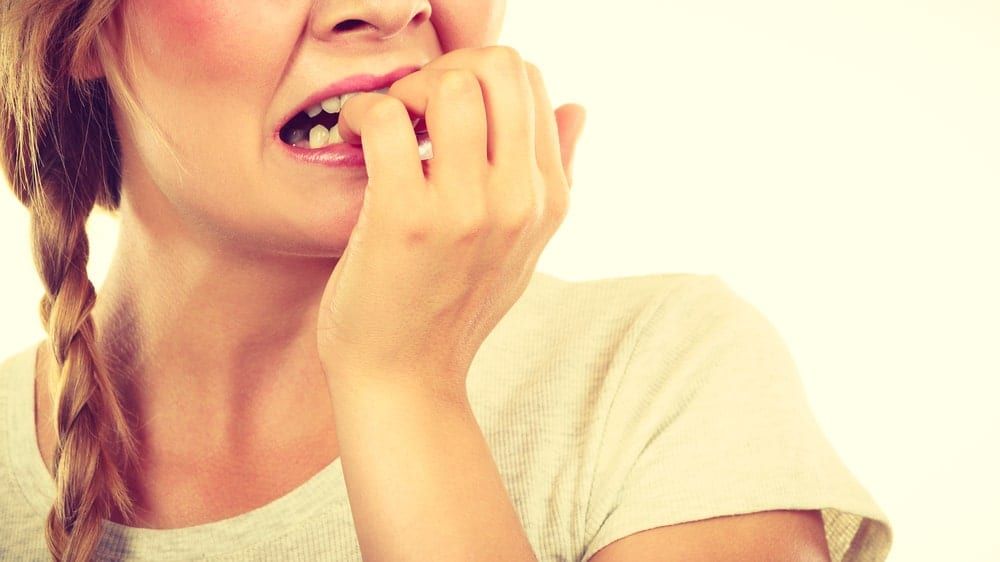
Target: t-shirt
(611, 406)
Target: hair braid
(59, 150)
(94, 443)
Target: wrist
(370, 382)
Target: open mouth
(316, 126)
(312, 132)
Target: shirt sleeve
(710, 419)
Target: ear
(87, 66)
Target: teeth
(334, 104)
(335, 135)
(331, 105)
(318, 136)
(347, 96)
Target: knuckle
(415, 238)
(515, 224)
(558, 205)
(468, 225)
(457, 82)
(413, 227)
(504, 56)
(517, 217)
(416, 232)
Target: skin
(216, 286)
(220, 270)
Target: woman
(306, 350)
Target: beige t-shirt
(611, 406)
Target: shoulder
(21, 498)
(574, 337)
(14, 363)
(586, 334)
(598, 317)
(630, 311)
(672, 289)
(612, 300)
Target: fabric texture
(611, 406)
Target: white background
(837, 163)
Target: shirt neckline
(325, 490)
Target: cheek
(206, 71)
(203, 40)
(464, 24)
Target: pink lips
(339, 155)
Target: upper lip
(355, 83)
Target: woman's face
(219, 76)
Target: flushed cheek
(232, 43)
(208, 69)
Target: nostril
(349, 25)
(420, 17)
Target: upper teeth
(319, 136)
(333, 105)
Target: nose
(366, 19)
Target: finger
(452, 105)
(570, 119)
(547, 151)
(382, 125)
(507, 94)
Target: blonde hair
(60, 151)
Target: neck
(213, 340)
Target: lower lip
(339, 155)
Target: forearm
(421, 480)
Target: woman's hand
(443, 248)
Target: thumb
(569, 119)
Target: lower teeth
(299, 139)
